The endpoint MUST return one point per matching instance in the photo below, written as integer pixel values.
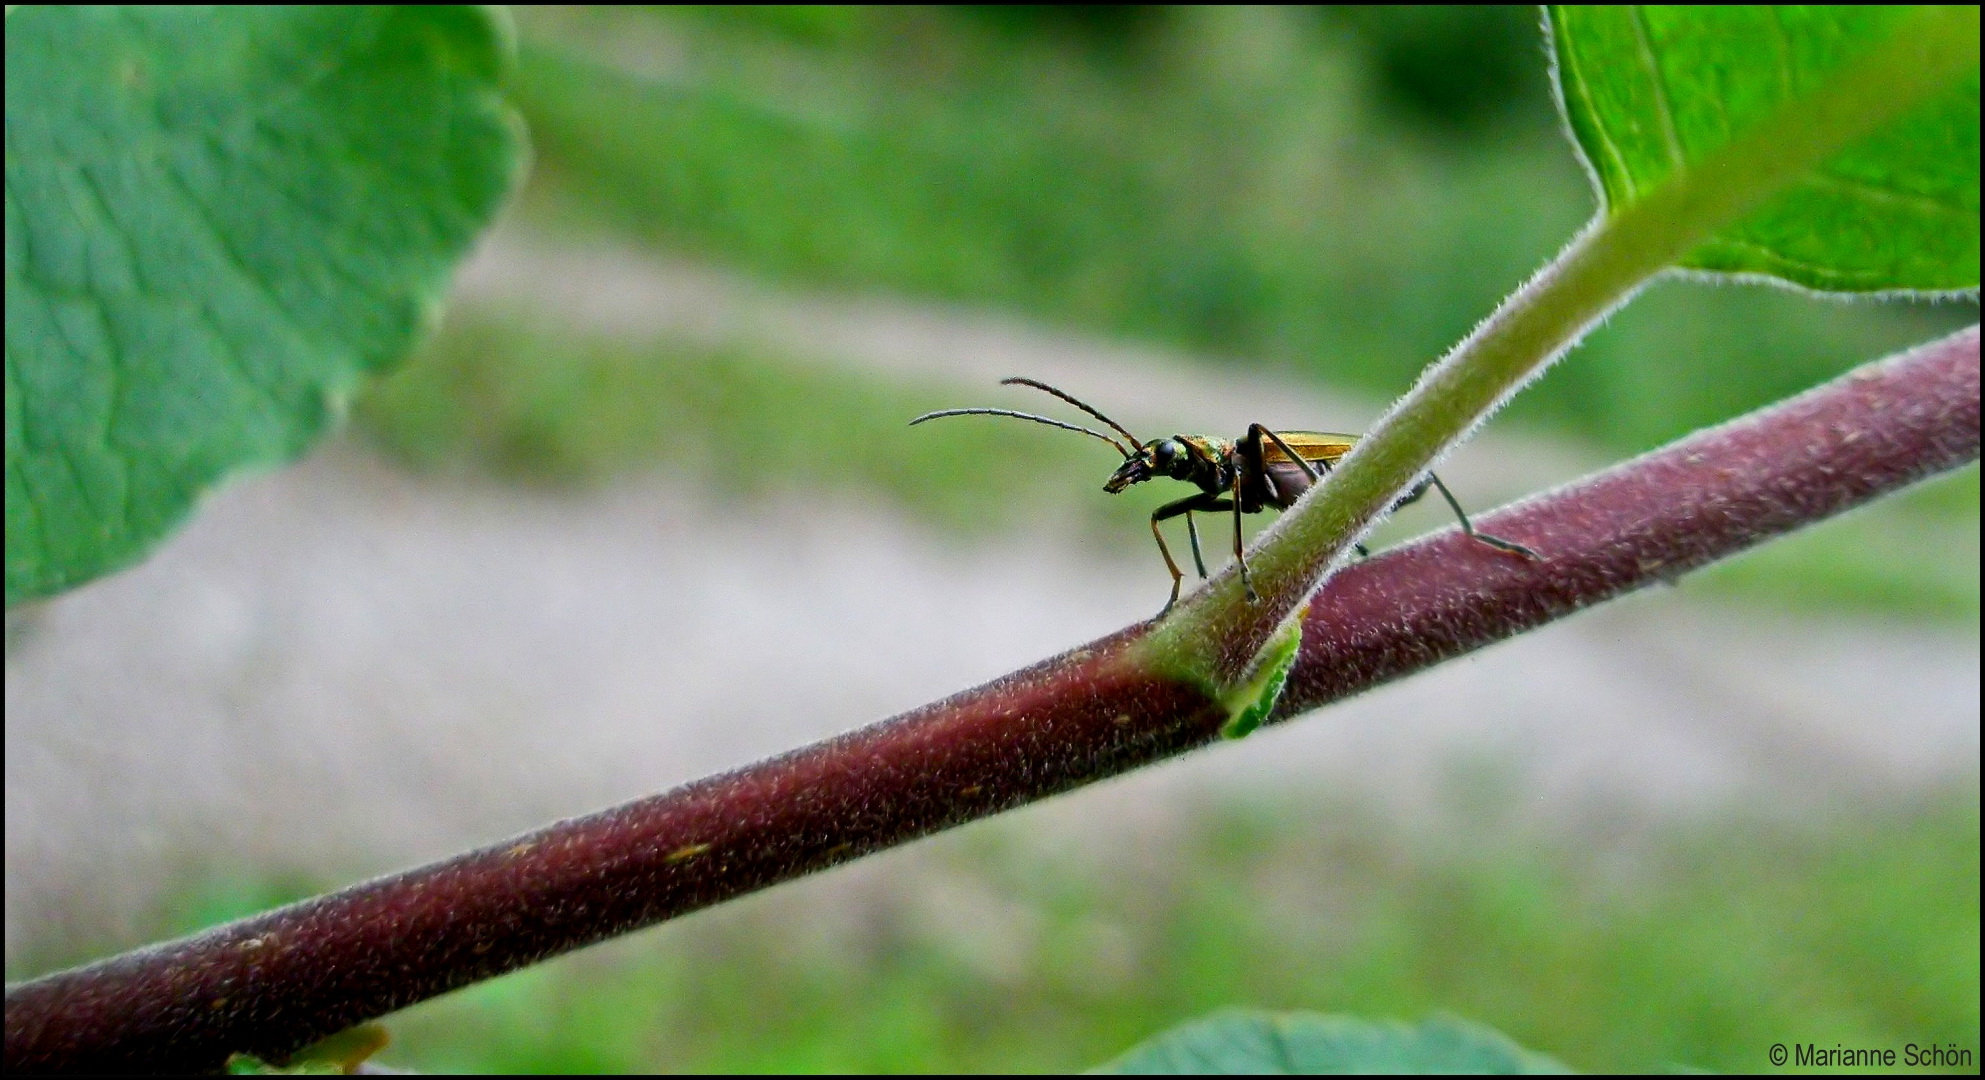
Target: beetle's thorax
(1207, 448)
(1209, 463)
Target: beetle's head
(1159, 457)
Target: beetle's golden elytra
(1262, 468)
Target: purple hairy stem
(271, 984)
(1872, 431)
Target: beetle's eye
(1164, 452)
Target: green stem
(1215, 634)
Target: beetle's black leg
(1201, 501)
(1418, 490)
(1215, 506)
(1192, 532)
(1240, 555)
(1496, 542)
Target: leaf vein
(1877, 193)
(1663, 110)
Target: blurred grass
(1692, 945)
(1301, 190)
(1338, 194)
(548, 406)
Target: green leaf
(1249, 703)
(340, 1054)
(1651, 91)
(218, 222)
(1300, 1043)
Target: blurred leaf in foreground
(217, 222)
(1253, 1042)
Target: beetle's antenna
(1121, 449)
(1021, 380)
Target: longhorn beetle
(1261, 469)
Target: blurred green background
(1333, 194)
(1336, 195)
